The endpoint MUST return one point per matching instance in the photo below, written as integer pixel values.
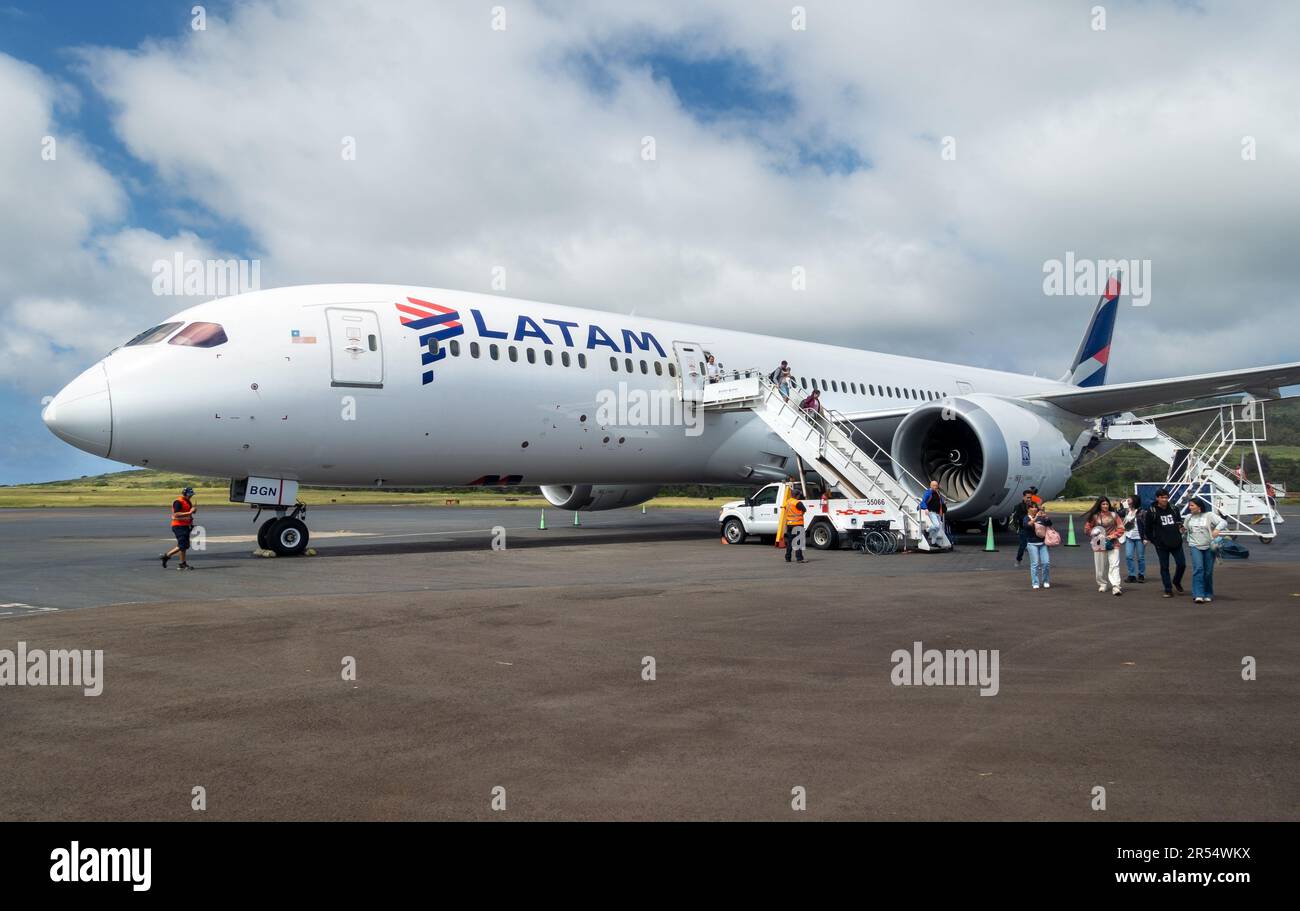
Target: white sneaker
(1208, 600)
(1035, 588)
(1118, 591)
(1101, 588)
(1199, 600)
(1047, 585)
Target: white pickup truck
(826, 526)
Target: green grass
(153, 488)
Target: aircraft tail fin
(1089, 367)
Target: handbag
(1052, 537)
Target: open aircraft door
(690, 370)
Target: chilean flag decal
(442, 322)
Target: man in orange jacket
(182, 521)
(792, 512)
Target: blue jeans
(1136, 547)
(1040, 563)
(1202, 572)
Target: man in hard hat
(182, 522)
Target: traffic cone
(989, 547)
(576, 523)
(1069, 541)
(541, 526)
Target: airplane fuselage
(355, 385)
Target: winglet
(1089, 367)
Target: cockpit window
(200, 335)
(156, 334)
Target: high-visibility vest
(184, 520)
(791, 515)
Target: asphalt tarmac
(525, 669)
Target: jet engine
(984, 451)
(593, 498)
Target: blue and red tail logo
(1089, 367)
(442, 322)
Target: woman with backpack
(1041, 536)
(1203, 525)
(1105, 529)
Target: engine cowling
(595, 497)
(984, 451)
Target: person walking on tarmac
(935, 511)
(791, 530)
(182, 521)
(1018, 520)
(1164, 529)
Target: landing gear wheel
(288, 537)
(733, 531)
(264, 534)
(1266, 539)
(823, 535)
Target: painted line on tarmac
(18, 609)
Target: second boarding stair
(842, 454)
(1203, 468)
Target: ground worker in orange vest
(182, 521)
(791, 524)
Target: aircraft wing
(1096, 401)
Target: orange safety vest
(792, 516)
(183, 520)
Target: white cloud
(478, 148)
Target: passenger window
(659, 368)
(546, 355)
(201, 335)
(156, 334)
(513, 352)
(582, 361)
(672, 369)
(455, 348)
(628, 361)
(473, 349)
(644, 369)
(564, 358)
(433, 347)
(803, 381)
(494, 352)
(613, 364)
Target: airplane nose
(82, 412)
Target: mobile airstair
(842, 454)
(1216, 467)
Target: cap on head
(188, 492)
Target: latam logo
(442, 322)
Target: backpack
(1231, 550)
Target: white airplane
(383, 385)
